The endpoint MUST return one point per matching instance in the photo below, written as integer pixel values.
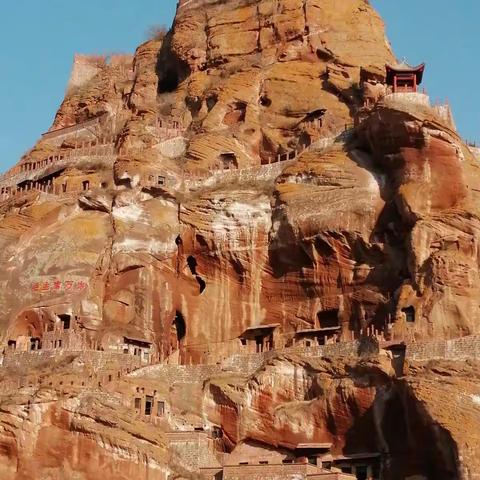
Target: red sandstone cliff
(243, 172)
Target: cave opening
(65, 320)
(409, 314)
(229, 160)
(35, 344)
(265, 101)
(211, 101)
(201, 283)
(328, 318)
(316, 116)
(179, 326)
(192, 264)
(169, 81)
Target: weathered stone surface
(172, 223)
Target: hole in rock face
(409, 314)
(192, 264)
(265, 101)
(178, 240)
(328, 318)
(229, 160)
(212, 101)
(201, 282)
(169, 81)
(65, 320)
(179, 326)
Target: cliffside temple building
(404, 78)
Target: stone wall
(194, 450)
(171, 374)
(85, 67)
(465, 348)
(73, 129)
(92, 359)
(245, 175)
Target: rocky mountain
(241, 252)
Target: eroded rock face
(358, 407)
(243, 171)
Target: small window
(161, 180)
(104, 185)
(409, 314)
(263, 462)
(160, 409)
(85, 185)
(287, 460)
(138, 403)
(243, 463)
(308, 343)
(64, 188)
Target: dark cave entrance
(409, 314)
(179, 327)
(169, 81)
(328, 318)
(65, 320)
(192, 265)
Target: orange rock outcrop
(246, 183)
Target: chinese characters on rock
(59, 286)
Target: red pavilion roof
(402, 69)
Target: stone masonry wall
(93, 359)
(172, 374)
(464, 348)
(85, 67)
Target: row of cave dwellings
(400, 78)
(259, 339)
(46, 171)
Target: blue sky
(38, 40)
